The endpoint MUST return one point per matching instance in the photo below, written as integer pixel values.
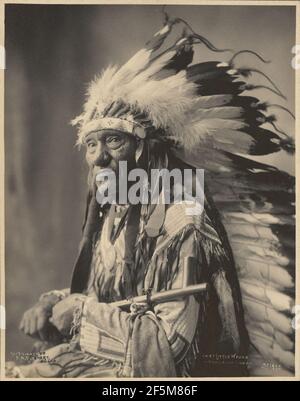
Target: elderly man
(153, 113)
(125, 252)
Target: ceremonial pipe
(170, 295)
(163, 296)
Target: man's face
(106, 148)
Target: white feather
(139, 61)
(154, 67)
(205, 102)
(226, 113)
(205, 130)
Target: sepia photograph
(149, 191)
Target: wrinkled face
(106, 148)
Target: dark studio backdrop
(52, 53)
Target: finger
(21, 325)
(26, 322)
(41, 320)
(32, 325)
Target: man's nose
(101, 156)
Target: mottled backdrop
(52, 53)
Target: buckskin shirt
(160, 340)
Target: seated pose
(161, 112)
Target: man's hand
(35, 321)
(63, 312)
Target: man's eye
(91, 145)
(114, 141)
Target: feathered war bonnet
(211, 121)
(195, 107)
